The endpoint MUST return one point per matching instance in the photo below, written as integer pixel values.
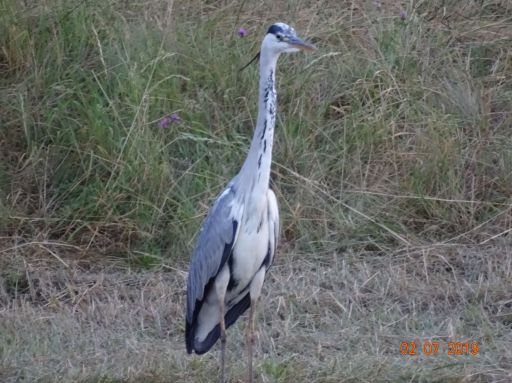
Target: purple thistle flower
(242, 32)
(403, 15)
(175, 118)
(164, 122)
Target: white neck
(255, 172)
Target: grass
(391, 167)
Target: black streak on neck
(268, 90)
(264, 129)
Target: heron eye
(279, 37)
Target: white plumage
(237, 242)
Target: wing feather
(213, 248)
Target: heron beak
(298, 43)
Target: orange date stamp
(432, 348)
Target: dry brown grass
(322, 319)
(392, 169)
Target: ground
(121, 121)
(341, 318)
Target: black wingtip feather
(189, 337)
(190, 326)
(231, 316)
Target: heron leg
(221, 285)
(222, 342)
(255, 291)
(250, 339)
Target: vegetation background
(121, 120)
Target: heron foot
(250, 341)
(222, 357)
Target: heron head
(281, 38)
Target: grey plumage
(213, 248)
(238, 240)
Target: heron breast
(248, 255)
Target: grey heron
(237, 241)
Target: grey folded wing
(213, 248)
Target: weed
(391, 166)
